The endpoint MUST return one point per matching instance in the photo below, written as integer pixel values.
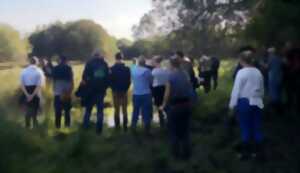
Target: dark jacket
(95, 75)
(62, 72)
(120, 78)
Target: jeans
(142, 104)
(97, 100)
(59, 107)
(250, 120)
(178, 127)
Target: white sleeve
(22, 80)
(42, 79)
(235, 91)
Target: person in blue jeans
(247, 101)
(142, 98)
(95, 78)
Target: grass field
(46, 150)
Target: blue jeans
(142, 104)
(97, 100)
(250, 120)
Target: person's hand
(162, 108)
(29, 98)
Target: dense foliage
(275, 22)
(12, 46)
(77, 40)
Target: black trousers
(206, 75)
(178, 126)
(215, 78)
(158, 95)
(60, 106)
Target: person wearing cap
(160, 79)
(177, 103)
(142, 97)
(95, 78)
(120, 82)
(247, 100)
(32, 80)
(275, 77)
(63, 84)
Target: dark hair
(247, 48)
(63, 58)
(141, 61)
(158, 59)
(119, 56)
(180, 54)
(247, 57)
(175, 62)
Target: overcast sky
(116, 16)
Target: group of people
(170, 88)
(256, 77)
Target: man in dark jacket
(120, 82)
(95, 78)
(62, 88)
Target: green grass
(46, 150)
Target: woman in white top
(160, 79)
(32, 79)
(247, 100)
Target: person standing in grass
(177, 103)
(275, 77)
(215, 65)
(160, 79)
(63, 83)
(247, 100)
(205, 65)
(120, 82)
(95, 80)
(142, 98)
(32, 79)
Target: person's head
(33, 60)
(97, 54)
(247, 58)
(271, 50)
(247, 49)
(119, 57)
(157, 61)
(141, 61)
(63, 59)
(180, 54)
(175, 63)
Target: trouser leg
(100, 114)
(87, 115)
(147, 111)
(124, 110)
(136, 110)
(117, 110)
(58, 111)
(67, 108)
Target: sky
(116, 16)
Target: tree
(76, 40)
(12, 46)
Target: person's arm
(72, 80)
(235, 91)
(166, 96)
(86, 73)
